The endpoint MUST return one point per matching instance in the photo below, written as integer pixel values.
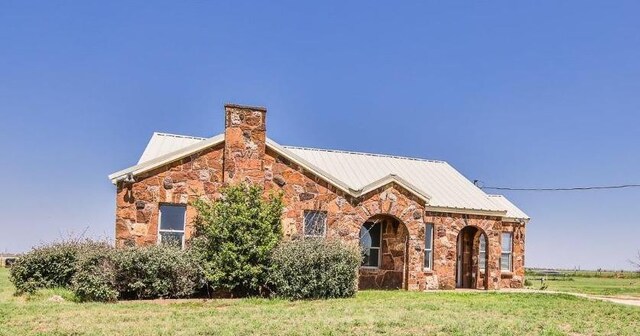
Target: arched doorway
(384, 241)
(471, 258)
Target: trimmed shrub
(315, 268)
(235, 236)
(52, 265)
(155, 272)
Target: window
(171, 226)
(315, 223)
(505, 257)
(482, 253)
(428, 245)
(370, 235)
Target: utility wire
(621, 186)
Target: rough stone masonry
(244, 156)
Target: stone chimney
(244, 143)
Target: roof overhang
(165, 159)
(466, 211)
(515, 220)
(307, 166)
(392, 178)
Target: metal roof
(445, 185)
(513, 212)
(436, 182)
(163, 143)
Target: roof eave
(165, 159)
(393, 178)
(466, 211)
(516, 220)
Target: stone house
(421, 224)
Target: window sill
(506, 274)
(427, 271)
(370, 268)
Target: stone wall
(447, 226)
(515, 279)
(345, 215)
(245, 143)
(137, 204)
(392, 273)
(245, 157)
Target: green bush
(95, 271)
(94, 279)
(52, 265)
(315, 268)
(235, 236)
(155, 272)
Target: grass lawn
(371, 312)
(597, 286)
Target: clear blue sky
(545, 94)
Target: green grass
(596, 286)
(370, 312)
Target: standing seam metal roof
(439, 183)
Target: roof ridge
(179, 136)
(365, 154)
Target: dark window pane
(374, 232)
(373, 257)
(171, 238)
(172, 217)
(427, 259)
(370, 243)
(428, 236)
(315, 223)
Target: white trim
(510, 252)
(395, 179)
(482, 238)
(165, 159)
(184, 222)
(465, 211)
(430, 249)
(308, 166)
(379, 247)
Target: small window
(482, 253)
(315, 224)
(171, 226)
(505, 257)
(428, 246)
(370, 238)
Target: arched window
(370, 234)
(482, 253)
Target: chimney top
(248, 107)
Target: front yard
(371, 312)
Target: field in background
(608, 283)
(392, 312)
